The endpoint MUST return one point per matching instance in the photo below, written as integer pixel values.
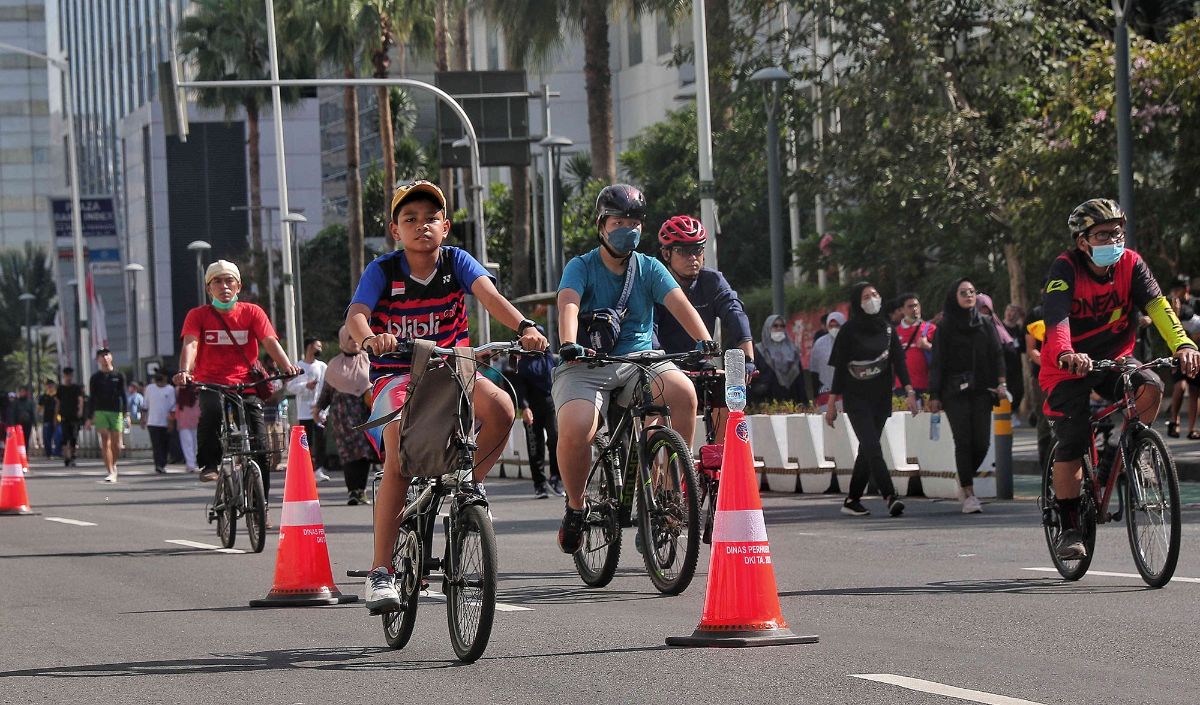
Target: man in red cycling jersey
(1089, 302)
(681, 241)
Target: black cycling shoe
(570, 533)
(1070, 546)
(470, 493)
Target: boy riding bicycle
(681, 241)
(420, 292)
(595, 281)
(1089, 301)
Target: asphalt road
(112, 612)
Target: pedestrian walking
(24, 414)
(48, 411)
(136, 403)
(532, 379)
(966, 375)
(341, 406)
(916, 336)
(159, 416)
(307, 387)
(70, 414)
(106, 389)
(866, 356)
(818, 359)
(187, 419)
(780, 372)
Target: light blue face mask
(1107, 255)
(624, 240)
(222, 306)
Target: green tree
(227, 39)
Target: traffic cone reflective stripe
(13, 498)
(21, 448)
(302, 572)
(741, 602)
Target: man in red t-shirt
(916, 337)
(220, 341)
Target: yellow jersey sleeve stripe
(1168, 324)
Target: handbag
(601, 328)
(262, 389)
(863, 370)
(433, 414)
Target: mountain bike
(1141, 468)
(708, 470)
(239, 492)
(658, 467)
(467, 563)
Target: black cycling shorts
(1067, 407)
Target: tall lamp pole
(772, 80)
(551, 146)
(290, 222)
(132, 269)
(1122, 9)
(708, 190)
(28, 298)
(64, 68)
(199, 247)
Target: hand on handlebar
(1189, 361)
(182, 378)
(571, 351)
(708, 347)
(533, 341)
(381, 343)
(1075, 363)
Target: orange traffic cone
(741, 603)
(302, 573)
(13, 499)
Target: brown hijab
(350, 372)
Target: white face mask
(872, 305)
(778, 336)
(834, 331)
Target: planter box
(769, 440)
(936, 459)
(515, 454)
(806, 448)
(841, 446)
(900, 463)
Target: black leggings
(208, 433)
(970, 417)
(355, 472)
(868, 427)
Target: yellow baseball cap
(220, 267)
(406, 190)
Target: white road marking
(975, 696)
(205, 546)
(1107, 574)
(72, 522)
(500, 606)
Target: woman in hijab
(866, 355)
(347, 379)
(780, 374)
(965, 376)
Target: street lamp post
(1122, 9)
(64, 68)
(132, 269)
(290, 221)
(552, 145)
(199, 247)
(772, 79)
(28, 298)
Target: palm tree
(385, 24)
(339, 42)
(227, 39)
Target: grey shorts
(575, 380)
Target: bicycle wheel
(256, 506)
(596, 559)
(671, 530)
(406, 565)
(1053, 522)
(225, 506)
(707, 501)
(1152, 508)
(471, 590)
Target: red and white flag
(96, 315)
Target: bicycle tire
(1052, 522)
(225, 506)
(708, 503)
(676, 517)
(597, 558)
(256, 506)
(471, 591)
(1152, 517)
(406, 566)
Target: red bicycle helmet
(682, 230)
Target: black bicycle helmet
(1093, 212)
(620, 200)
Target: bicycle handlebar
(404, 349)
(1129, 365)
(215, 386)
(598, 359)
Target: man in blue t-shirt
(594, 281)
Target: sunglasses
(689, 250)
(966, 292)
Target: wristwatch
(525, 323)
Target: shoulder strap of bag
(464, 369)
(422, 351)
(627, 289)
(225, 324)
(913, 338)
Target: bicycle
(665, 475)
(1149, 493)
(468, 562)
(239, 492)
(709, 477)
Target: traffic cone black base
(741, 638)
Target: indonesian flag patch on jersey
(397, 288)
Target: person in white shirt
(159, 413)
(818, 360)
(307, 388)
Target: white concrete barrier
(769, 439)
(806, 448)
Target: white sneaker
(972, 505)
(321, 475)
(110, 477)
(381, 591)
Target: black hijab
(861, 319)
(955, 315)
